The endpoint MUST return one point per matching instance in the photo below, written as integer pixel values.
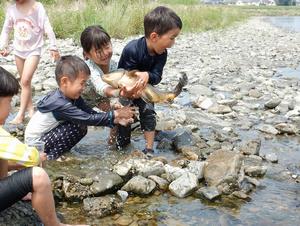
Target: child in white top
(30, 22)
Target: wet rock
(267, 129)
(21, 213)
(255, 171)
(86, 181)
(286, 128)
(162, 183)
(252, 160)
(189, 152)
(123, 195)
(165, 144)
(219, 109)
(271, 157)
(139, 185)
(106, 183)
(160, 159)
(102, 206)
(222, 166)
(169, 135)
(270, 104)
(182, 138)
(73, 190)
(241, 195)
(210, 193)
(184, 185)
(196, 168)
(146, 168)
(172, 173)
(251, 147)
(123, 169)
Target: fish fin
(145, 97)
(182, 82)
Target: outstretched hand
(124, 115)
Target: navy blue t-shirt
(135, 56)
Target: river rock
(184, 185)
(162, 183)
(139, 185)
(271, 157)
(196, 168)
(267, 129)
(172, 173)
(21, 213)
(219, 109)
(251, 147)
(255, 171)
(270, 104)
(146, 168)
(106, 183)
(286, 128)
(182, 138)
(102, 206)
(209, 193)
(222, 166)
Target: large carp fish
(121, 78)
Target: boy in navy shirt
(148, 55)
(62, 115)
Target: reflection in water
(290, 23)
(275, 202)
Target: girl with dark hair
(97, 51)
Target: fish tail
(182, 82)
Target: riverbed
(240, 63)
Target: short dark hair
(161, 20)
(94, 36)
(70, 66)
(9, 85)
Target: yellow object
(15, 151)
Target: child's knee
(40, 178)
(25, 82)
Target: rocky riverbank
(238, 101)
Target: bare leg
(149, 137)
(42, 198)
(3, 168)
(26, 69)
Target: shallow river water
(275, 202)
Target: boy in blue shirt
(62, 115)
(148, 55)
